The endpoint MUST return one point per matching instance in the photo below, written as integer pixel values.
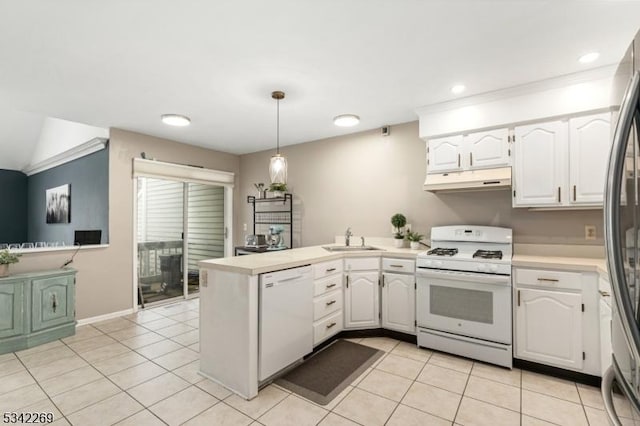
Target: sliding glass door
(178, 224)
(205, 228)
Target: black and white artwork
(59, 204)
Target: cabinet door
(398, 302)
(444, 154)
(589, 143)
(549, 327)
(540, 165)
(53, 301)
(11, 318)
(361, 300)
(487, 149)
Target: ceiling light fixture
(346, 120)
(176, 120)
(457, 89)
(278, 164)
(589, 57)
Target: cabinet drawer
(361, 263)
(327, 327)
(327, 284)
(552, 279)
(325, 305)
(324, 269)
(399, 265)
(53, 302)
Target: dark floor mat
(324, 375)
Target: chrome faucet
(347, 236)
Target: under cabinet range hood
(469, 180)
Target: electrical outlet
(244, 226)
(589, 232)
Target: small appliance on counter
(258, 240)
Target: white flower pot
(4, 270)
(398, 242)
(415, 245)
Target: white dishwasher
(285, 323)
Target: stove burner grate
(438, 251)
(488, 254)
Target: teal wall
(89, 180)
(13, 206)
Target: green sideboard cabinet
(36, 308)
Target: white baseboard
(104, 317)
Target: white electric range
(464, 293)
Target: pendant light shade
(278, 164)
(278, 169)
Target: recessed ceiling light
(346, 120)
(589, 57)
(458, 88)
(176, 120)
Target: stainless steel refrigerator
(622, 225)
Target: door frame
(184, 174)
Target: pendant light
(278, 164)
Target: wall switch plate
(589, 232)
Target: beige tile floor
(141, 370)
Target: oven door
(465, 303)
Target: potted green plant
(414, 240)
(7, 258)
(398, 221)
(278, 189)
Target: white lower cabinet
(399, 302)
(362, 293)
(327, 300)
(557, 319)
(549, 327)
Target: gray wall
(89, 180)
(361, 180)
(13, 207)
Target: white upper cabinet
(539, 164)
(480, 150)
(487, 149)
(560, 163)
(589, 142)
(444, 154)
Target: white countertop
(581, 264)
(260, 263)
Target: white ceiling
(123, 63)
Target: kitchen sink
(351, 248)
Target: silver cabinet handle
(458, 160)
(574, 192)
(330, 303)
(396, 266)
(559, 195)
(612, 231)
(471, 158)
(330, 285)
(330, 269)
(604, 293)
(551, 280)
(54, 302)
(331, 325)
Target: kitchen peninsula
(230, 301)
